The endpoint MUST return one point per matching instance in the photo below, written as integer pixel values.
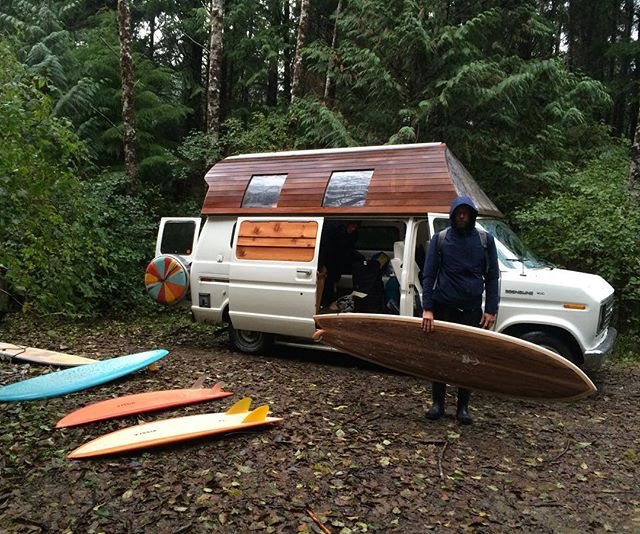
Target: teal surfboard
(78, 378)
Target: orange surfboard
(143, 402)
(167, 431)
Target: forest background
(111, 113)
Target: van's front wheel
(249, 341)
(552, 343)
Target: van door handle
(304, 272)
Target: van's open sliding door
(273, 274)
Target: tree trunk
(557, 16)
(329, 85)
(215, 68)
(272, 75)
(287, 40)
(303, 28)
(128, 111)
(620, 106)
(572, 30)
(151, 51)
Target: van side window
(440, 224)
(177, 237)
(347, 188)
(263, 191)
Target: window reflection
(263, 191)
(347, 188)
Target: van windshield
(511, 251)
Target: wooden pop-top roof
(406, 180)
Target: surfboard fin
(218, 386)
(242, 406)
(258, 415)
(198, 383)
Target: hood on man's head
(460, 201)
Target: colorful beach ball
(167, 279)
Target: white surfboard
(166, 431)
(45, 357)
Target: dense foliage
(72, 239)
(513, 120)
(525, 94)
(590, 224)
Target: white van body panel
(210, 270)
(277, 297)
(540, 295)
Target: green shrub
(593, 225)
(76, 246)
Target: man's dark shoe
(462, 413)
(438, 393)
(435, 412)
(463, 416)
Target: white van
(254, 264)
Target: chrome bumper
(594, 357)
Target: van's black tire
(249, 341)
(551, 342)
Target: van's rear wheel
(249, 341)
(550, 342)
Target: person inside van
(337, 252)
(461, 264)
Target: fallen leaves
(354, 449)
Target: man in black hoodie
(457, 271)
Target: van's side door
(273, 274)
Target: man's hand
(487, 321)
(427, 321)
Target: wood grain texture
(274, 253)
(456, 354)
(279, 229)
(277, 240)
(411, 180)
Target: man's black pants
(472, 317)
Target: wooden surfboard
(456, 354)
(46, 357)
(167, 431)
(143, 402)
(78, 378)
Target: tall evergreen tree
(128, 110)
(328, 84)
(301, 40)
(215, 67)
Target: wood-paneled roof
(406, 180)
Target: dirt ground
(353, 454)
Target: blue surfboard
(78, 378)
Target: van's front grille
(606, 312)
